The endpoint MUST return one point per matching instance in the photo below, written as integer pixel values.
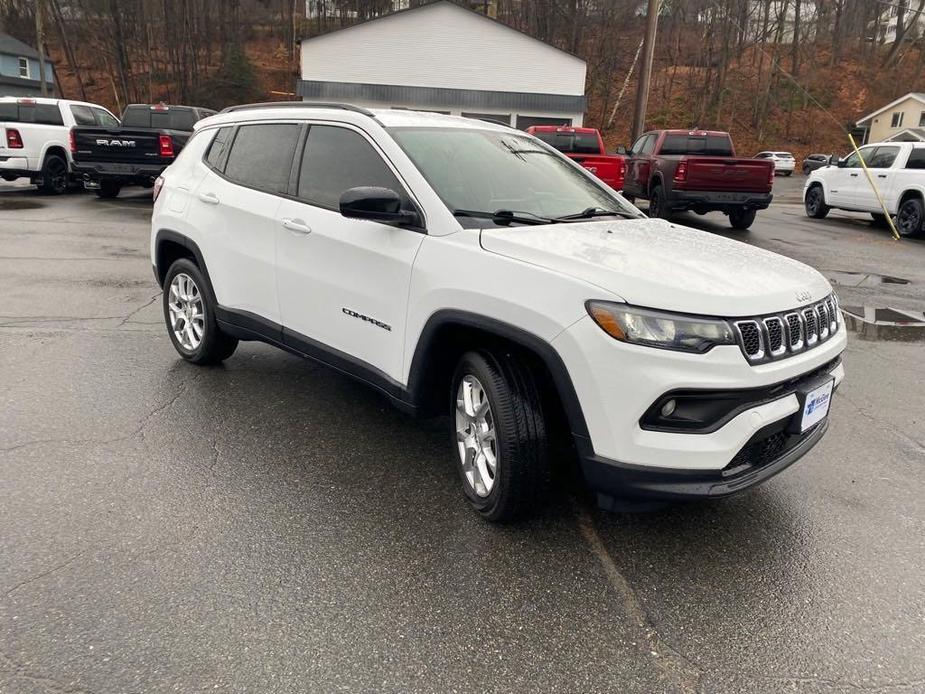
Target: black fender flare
(185, 241)
(543, 349)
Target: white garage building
(443, 57)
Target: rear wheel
(658, 206)
(54, 175)
(500, 435)
(108, 189)
(814, 203)
(742, 219)
(189, 311)
(910, 217)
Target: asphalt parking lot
(270, 526)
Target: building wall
(881, 127)
(9, 67)
(442, 46)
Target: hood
(657, 264)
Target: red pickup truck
(585, 146)
(697, 170)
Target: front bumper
(617, 383)
(717, 201)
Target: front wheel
(500, 435)
(815, 203)
(189, 311)
(54, 175)
(658, 206)
(910, 217)
(108, 190)
(742, 219)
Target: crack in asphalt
(43, 574)
(684, 674)
(140, 308)
(884, 423)
(14, 670)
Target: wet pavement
(270, 526)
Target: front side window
(648, 144)
(854, 162)
(261, 156)
(336, 160)
(897, 120)
(487, 171)
(24, 68)
(882, 157)
(82, 115)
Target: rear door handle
(209, 198)
(853, 175)
(296, 226)
(881, 175)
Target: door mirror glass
(376, 204)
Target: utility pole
(40, 44)
(645, 73)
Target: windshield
(488, 171)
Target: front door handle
(853, 175)
(296, 226)
(209, 198)
(881, 175)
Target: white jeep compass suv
(466, 269)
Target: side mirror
(377, 205)
(840, 163)
(624, 151)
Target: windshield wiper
(596, 212)
(504, 217)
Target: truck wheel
(189, 311)
(814, 203)
(500, 435)
(108, 190)
(909, 218)
(742, 219)
(54, 175)
(658, 207)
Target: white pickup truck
(35, 138)
(897, 168)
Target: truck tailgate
(116, 145)
(728, 174)
(610, 169)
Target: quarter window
(82, 115)
(218, 150)
(261, 156)
(337, 159)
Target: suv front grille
(766, 338)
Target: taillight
(622, 168)
(680, 174)
(771, 175)
(158, 184)
(13, 139)
(72, 140)
(166, 145)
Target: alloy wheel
(909, 219)
(475, 436)
(187, 319)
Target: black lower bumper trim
(613, 479)
(708, 201)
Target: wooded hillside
(779, 74)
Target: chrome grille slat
(778, 335)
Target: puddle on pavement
(881, 323)
(20, 205)
(848, 278)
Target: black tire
(742, 219)
(910, 217)
(522, 474)
(879, 219)
(214, 346)
(805, 170)
(814, 203)
(631, 199)
(54, 175)
(657, 205)
(108, 190)
(788, 174)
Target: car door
(343, 283)
(843, 181)
(639, 166)
(880, 162)
(234, 208)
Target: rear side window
(882, 158)
(261, 156)
(43, 114)
(82, 115)
(218, 150)
(571, 143)
(337, 159)
(707, 145)
(916, 159)
(104, 118)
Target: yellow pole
(870, 179)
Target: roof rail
(301, 104)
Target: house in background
(19, 69)
(902, 120)
(443, 57)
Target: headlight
(641, 326)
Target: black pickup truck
(135, 153)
